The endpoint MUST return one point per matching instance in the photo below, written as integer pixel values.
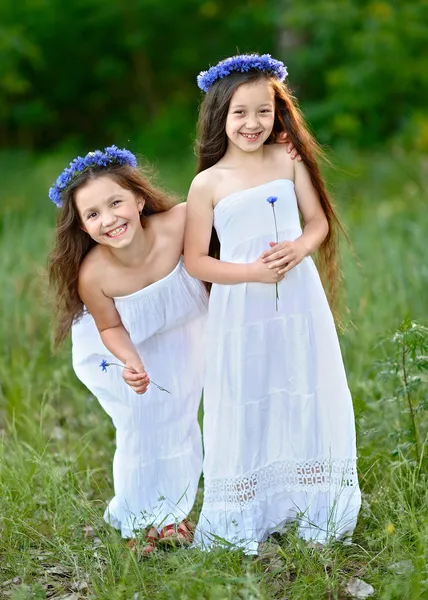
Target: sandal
(177, 535)
(152, 537)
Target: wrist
(132, 359)
(249, 273)
(305, 247)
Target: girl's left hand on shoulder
(284, 255)
(283, 138)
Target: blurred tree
(98, 72)
(96, 69)
(360, 66)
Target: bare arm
(112, 332)
(287, 254)
(199, 222)
(315, 222)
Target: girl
(123, 290)
(279, 432)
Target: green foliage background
(77, 75)
(96, 72)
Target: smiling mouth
(251, 136)
(114, 233)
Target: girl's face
(109, 213)
(251, 115)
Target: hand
(262, 273)
(283, 256)
(134, 374)
(282, 138)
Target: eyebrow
(245, 106)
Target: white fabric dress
(279, 432)
(158, 458)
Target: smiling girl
(122, 289)
(279, 433)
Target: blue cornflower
(110, 155)
(103, 366)
(242, 64)
(271, 200)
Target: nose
(108, 218)
(252, 122)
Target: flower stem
(276, 239)
(162, 389)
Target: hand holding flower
(260, 272)
(283, 256)
(134, 374)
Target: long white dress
(158, 458)
(279, 432)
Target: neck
(137, 252)
(238, 157)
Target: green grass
(56, 444)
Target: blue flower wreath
(241, 64)
(111, 155)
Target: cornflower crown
(111, 155)
(242, 64)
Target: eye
(92, 215)
(266, 110)
(238, 112)
(115, 202)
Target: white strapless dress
(158, 458)
(279, 432)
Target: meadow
(56, 444)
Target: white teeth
(251, 136)
(116, 232)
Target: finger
(140, 389)
(275, 253)
(135, 376)
(140, 383)
(281, 263)
(299, 158)
(271, 259)
(277, 256)
(268, 252)
(290, 265)
(137, 379)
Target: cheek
(229, 127)
(269, 122)
(234, 124)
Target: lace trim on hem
(321, 475)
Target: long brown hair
(211, 146)
(72, 244)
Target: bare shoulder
(203, 185)
(174, 219)
(176, 213)
(279, 154)
(91, 268)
